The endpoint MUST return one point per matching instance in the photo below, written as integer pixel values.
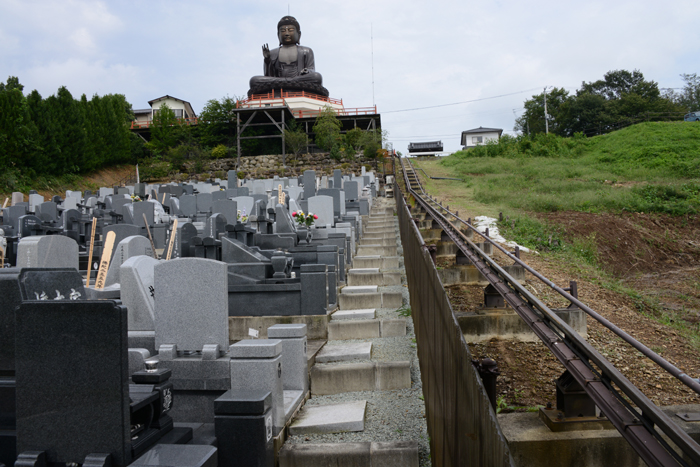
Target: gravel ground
(397, 415)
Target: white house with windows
(182, 109)
(481, 135)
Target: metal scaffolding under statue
(260, 117)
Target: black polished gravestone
(11, 297)
(69, 376)
(51, 284)
(243, 424)
(17, 285)
(73, 400)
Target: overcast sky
(456, 54)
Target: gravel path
(397, 415)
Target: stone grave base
(239, 326)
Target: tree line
(59, 134)
(621, 97)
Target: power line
(460, 103)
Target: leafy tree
(295, 140)
(354, 139)
(327, 129)
(615, 84)
(689, 97)
(18, 135)
(619, 97)
(373, 141)
(558, 104)
(216, 122)
(164, 131)
(12, 83)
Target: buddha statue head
(288, 31)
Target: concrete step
(345, 352)
(388, 234)
(364, 250)
(383, 241)
(335, 418)
(369, 231)
(366, 328)
(359, 301)
(379, 225)
(385, 454)
(357, 289)
(356, 277)
(336, 378)
(369, 313)
(376, 261)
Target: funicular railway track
(637, 418)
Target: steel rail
(667, 366)
(574, 353)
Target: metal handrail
(574, 352)
(647, 352)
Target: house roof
(166, 97)
(481, 129)
(142, 111)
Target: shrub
(219, 152)
(154, 171)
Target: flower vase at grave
(303, 234)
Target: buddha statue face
(288, 31)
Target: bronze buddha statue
(289, 67)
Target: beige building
(182, 109)
(479, 136)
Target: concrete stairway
(345, 365)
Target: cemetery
(189, 324)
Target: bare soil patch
(658, 256)
(632, 243)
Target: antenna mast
(371, 38)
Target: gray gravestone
(17, 197)
(295, 192)
(228, 208)
(335, 193)
(191, 304)
(121, 231)
(52, 251)
(188, 205)
(136, 245)
(337, 178)
(34, 201)
(352, 191)
(141, 208)
(138, 290)
(232, 179)
(258, 187)
(309, 183)
(245, 204)
(204, 201)
(322, 206)
(283, 220)
(215, 225)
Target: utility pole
(546, 117)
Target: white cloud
(425, 53)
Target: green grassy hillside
(650, 167)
